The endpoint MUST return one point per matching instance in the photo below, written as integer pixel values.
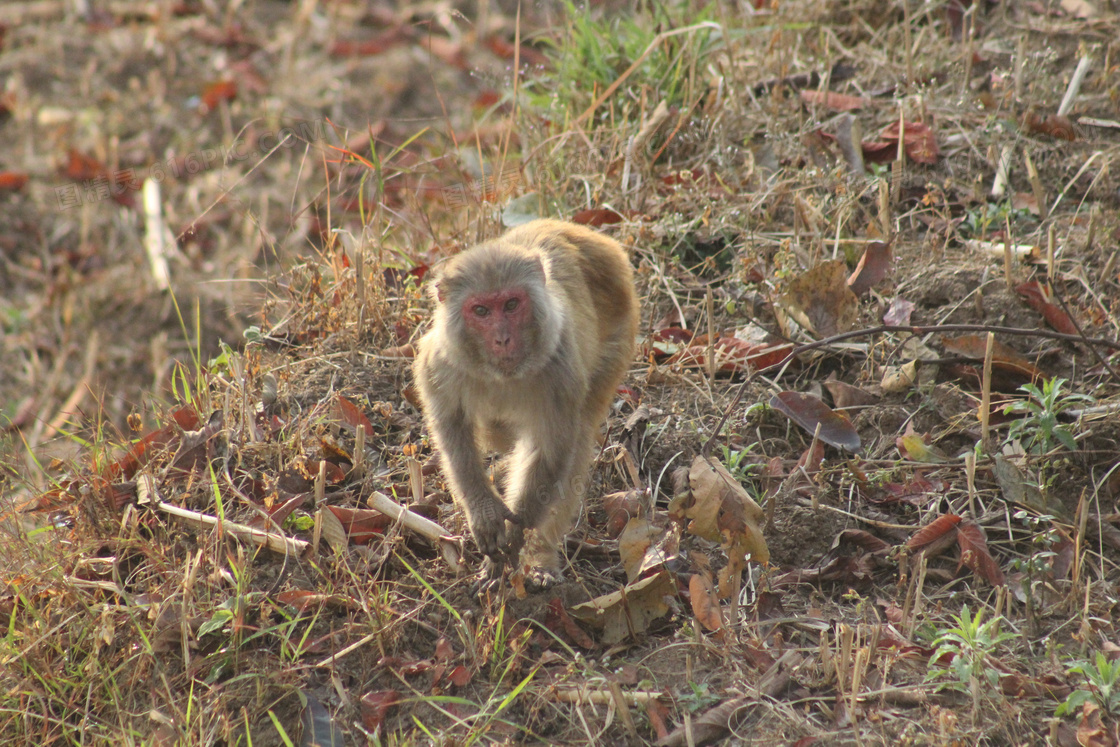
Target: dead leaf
(899, 312)
(936, 536)
(974, 553)
(1091, 731)
(352, 415)
(1003, 357)
(215, 93)
(11, 181)
(809, 412)
(838, 102)
(360, 525)
(921, 142)
(899, 378)
(821, 301)
(561, 623)
(1038, 298)
(1017, 489)
(705, 605)
(630, 610)
(597, 217)
(873, 266)
(374, 707)
(636, 538)
(846, 396)
(1053, 125)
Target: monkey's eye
(512, 304)
(480, 310)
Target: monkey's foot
(489, 579)
(540, 579)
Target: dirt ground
(218, 221)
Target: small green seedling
(1104, 686)
(1038, 427)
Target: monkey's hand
(487, 518)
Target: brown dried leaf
(809, 411)
(821, 301)
(1003, 357)
(838, 102)
(845, 395)
(935, 536)
(705, 605)
(629, 611)
(1038, 298)
(722, 509)
(873, 266)
(974, 553)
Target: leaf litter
(793, 583)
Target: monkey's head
(497, 310)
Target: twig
(914, 330)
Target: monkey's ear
(438, 291)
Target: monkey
(530, 337)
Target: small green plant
(738, 463)
(979, 221)
(971, 644)
(1038, 427)
(701, 698)
(1104, 686)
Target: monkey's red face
(499, 321)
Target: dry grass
(124, 624)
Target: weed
(1104, 686)
(971, 643)
(1038, 428)
(597, 51)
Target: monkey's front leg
(463, 465)
(545, 491)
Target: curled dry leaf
(821, 301)
(809, 411)
(899, 378)
(721, 509)
(635, 540)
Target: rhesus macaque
(531, 335)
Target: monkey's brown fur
(531, 335)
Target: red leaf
(1053, 125)
(375, 707)
(935, 532)
(217, 92)
(352, 415)
(974, 553)
(1038, 297)
(597, 217)
(361, 524)
(921, 142)
(12, 180)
